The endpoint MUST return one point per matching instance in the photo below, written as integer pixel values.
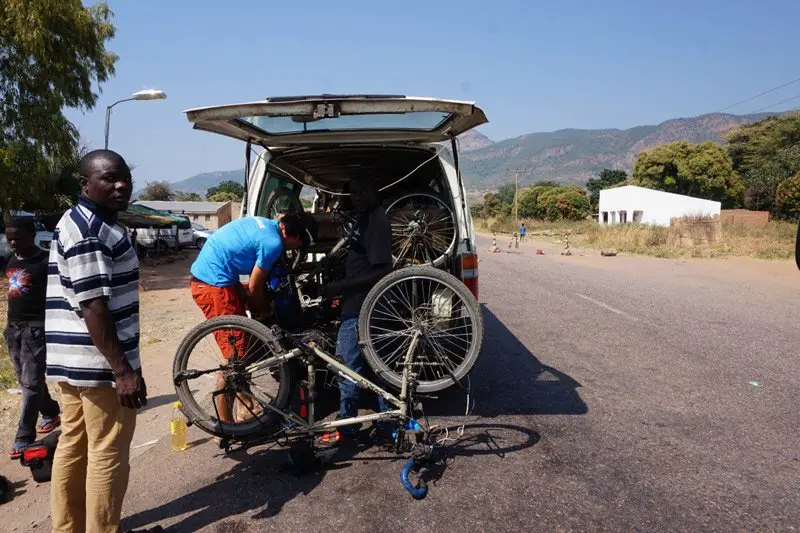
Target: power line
(777, 103)
(760, 95)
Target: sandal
(16, 449)
(47, 425)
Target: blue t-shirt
(235, 248)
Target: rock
(608, 253)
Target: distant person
(26, 271)
(92, 330)
(522, 231)
(247, 246)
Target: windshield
(198, 227)
(425, 121)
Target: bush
(787, 198)
(570, 202)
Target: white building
(648, 206)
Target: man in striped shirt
(92, 333)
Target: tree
(187, 196)
(52, 52)
(228, 186)
(606, 179)
(224, 196)
(787, 198)
(505, 194)
(158, 190)
(755, 145)
(528, 201)
(569, 202)
(699, 170)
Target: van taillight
(469, 272)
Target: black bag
(39, 456)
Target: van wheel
(200, 243)
(423, 228)
(282, 201)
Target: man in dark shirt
(369, 260)
(26, 271)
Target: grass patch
(776, 240)
(7, 377)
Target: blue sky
(532, 66)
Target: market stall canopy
(139, 216)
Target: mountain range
(569, 155)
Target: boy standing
(26, 271)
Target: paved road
(613, 394)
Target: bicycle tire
(282, 194)
(449, 282)
(193, 411)
(439, 249)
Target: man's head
(20, 234)
(106, 179)
(363, 193)
(298, 229)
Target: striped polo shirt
(90, 256)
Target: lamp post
(147, 94)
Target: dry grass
(773, 241)
(7, 377)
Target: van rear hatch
(339, 119)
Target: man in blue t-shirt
(250, 245)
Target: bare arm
(257, 300)
(131, 388)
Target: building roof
(204, 208)
(653, 192)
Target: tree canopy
(787, 198)
(187, 196)
(158, 190)
(234, 191)
(51, 53)
(700, 170)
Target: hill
(574, 155)
(570, 155)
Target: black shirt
(27, 286)
(371, 247)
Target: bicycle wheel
(282, 201)
(423, 229)
(432, 303)
(213, 357)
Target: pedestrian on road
(26, 271)
(369, 259)
(522, 231)
(250, 245)
(92, 331)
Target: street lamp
(147, 94)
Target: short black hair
(88, 160)
(301, 225)
(25, 223)
(367, 182)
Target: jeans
(26, 345)
(92, 462)
(349, 351)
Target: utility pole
(516, 172)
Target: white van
(408, 144)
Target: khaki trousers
(91, 464)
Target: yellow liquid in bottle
(178, 429)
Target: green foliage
(528, 201)
(187, 196)
(234, 188)
(224, 196)
(699, 170)
(787, 198)
(762, 182)
(506, 193)
(756, 145)
(606, 179)
(570, 202)
(51, 54)
(158, 190)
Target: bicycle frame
(312, 426)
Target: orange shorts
(221, 301)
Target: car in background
(200, 234)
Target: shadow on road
(158, 401)
(508, 379)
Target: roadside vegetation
(7, 378)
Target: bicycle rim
(423, 229)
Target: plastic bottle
(177, 425)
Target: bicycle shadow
(508, 379)
(260, 481)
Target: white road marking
(607, 307)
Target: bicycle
(420, 329)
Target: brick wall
(744, 216)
